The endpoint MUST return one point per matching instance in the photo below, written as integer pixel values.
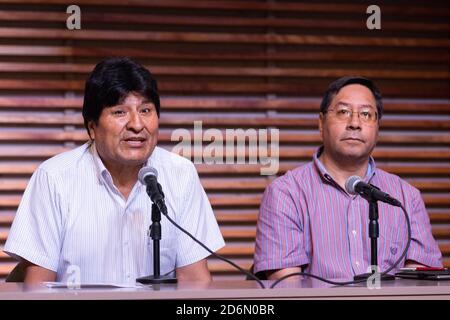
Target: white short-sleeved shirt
(72, 218)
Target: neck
(124, 177)
(342, 170)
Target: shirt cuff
(266, 265)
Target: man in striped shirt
(307, 220)
(84, 216)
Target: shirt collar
(325, 175)
(100, 169)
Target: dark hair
(338, 84)
(111, 81)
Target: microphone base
(365, 276)
(156, 280)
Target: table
(296, 289)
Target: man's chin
(353, 153)
(136, 153)
(135, 160)
(355, 156)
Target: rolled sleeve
(35, 233)
(279, 235)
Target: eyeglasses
(366, 115)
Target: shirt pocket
(392, 241)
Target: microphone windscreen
(351, 183)
(146, 171)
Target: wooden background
(231, 64)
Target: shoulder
(168, 160)
(173, 169)
(298, 177)
(390, 182)
(64, 162)
(293, 182)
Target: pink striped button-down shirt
(307, 219)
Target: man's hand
(413, 264)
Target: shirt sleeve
(279, 235)
(424, 248)
(35, 233)
(198, 219)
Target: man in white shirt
(85, 211)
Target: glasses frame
(351, 116)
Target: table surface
(295, 289)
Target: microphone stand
(373, 234)
(155, 234)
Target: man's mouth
(352, 139)
(135, 141)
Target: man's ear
(91, 128)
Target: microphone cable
(337, 283)
(148, 177)
(249, 274)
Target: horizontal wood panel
(198, 37)
(232, 104)
(231, 64)
(242, 184)
(284, 152)
(435, 169)
(84, 69)
(419, 9)
(152, 19)
(249, 216)
(26, 119)
(239, 200)
(417, 90)
(397, 56)
(167, 136)
(439, 216)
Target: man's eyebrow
(367, 106)
(143, 103)
(346, 104)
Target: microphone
(355, 185)
(148, 177)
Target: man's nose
(354, 121)
(135, 122)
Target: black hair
(338, 84)
(111, 81)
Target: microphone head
(146, 172)
(350, 184)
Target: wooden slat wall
(231, 64)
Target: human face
(349, 139)
(126, 134)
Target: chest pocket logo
(393, 251)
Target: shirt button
(354, 232)
(357, 263)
